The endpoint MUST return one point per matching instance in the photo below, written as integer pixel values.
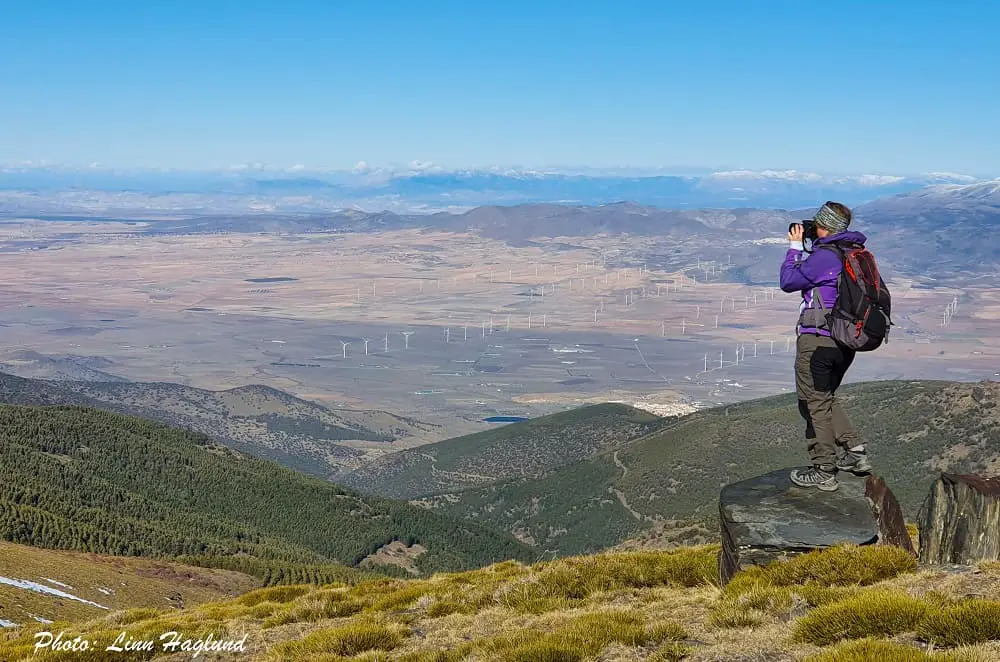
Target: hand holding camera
(799, 232)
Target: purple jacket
(802, 272)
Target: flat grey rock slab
(767, 517)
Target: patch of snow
(7, 624)
(47, 590)
(954, 176)
(57, 583)
(105, 591)
(41, 620)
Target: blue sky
(846, 86)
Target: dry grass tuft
(672, 651)
(732, 615)
(971, 622)
(848, 565)
(278, 594)
(578, 639)
(564, 584)
(876, 650)
(872, 613)
(447, 608)
(348, 640)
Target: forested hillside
(528, 448)
(78, 478)
(256, 419)
(915, 430)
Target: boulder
(960, 520)
(767, 518)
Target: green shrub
(868, 614)
(971, 622)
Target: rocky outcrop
(767, 518)
(960, 520)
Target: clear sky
(832, 86)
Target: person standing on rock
(820, 361)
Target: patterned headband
(828, 218)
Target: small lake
(505, 419)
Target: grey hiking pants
(820, 366)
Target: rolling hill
(255, 419)
(527, 448)
(915, 430)
(89, 480)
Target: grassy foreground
(848, 604)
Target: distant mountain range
(424, 189)
(938, 227)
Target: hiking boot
(817, 477)
(854, 461)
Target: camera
(808, 229)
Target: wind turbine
(447, 335)
(366, 341)
(406, 338)
(344, 346)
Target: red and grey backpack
(860, 317)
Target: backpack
(860, 317)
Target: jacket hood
(847, 235)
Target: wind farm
(447, 326)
